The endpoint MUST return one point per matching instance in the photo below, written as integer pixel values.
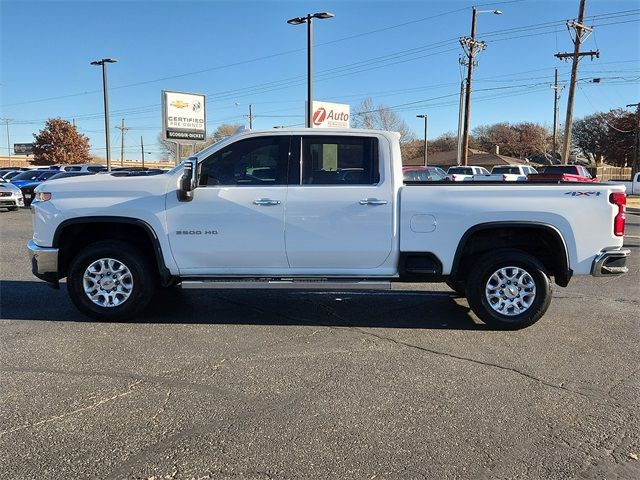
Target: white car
(212, 223)
(10, 196)
(505, 173)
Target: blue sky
(402, 54)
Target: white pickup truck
(501, 173)
(320, 209)
(632, 186)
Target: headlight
(42, 196)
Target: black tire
(142, 274)
(479, 288)
(13, 209)
(457, 286)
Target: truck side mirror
(189, 180)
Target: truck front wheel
(110, 280)
(508, 289)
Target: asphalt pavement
(259, 385)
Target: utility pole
(556, 94)
(460, 111)
(471, 48)
(250, 117)
(6, 121)
(581, 34)
(142, 149)
(425, 117)
(123, 130)
(635, 167)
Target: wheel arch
(76, 233)
(542, 240)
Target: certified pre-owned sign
(330, 115)
(183, 117)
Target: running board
(290, 283)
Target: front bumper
(44, 263)
(10, 202)
(610, 263)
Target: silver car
(10, 196)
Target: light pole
(425, 136)
(472, 47)
(103, 64)
(308, 19)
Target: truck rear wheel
(110, 280)
(508, 289)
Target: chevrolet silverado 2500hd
(321, 209)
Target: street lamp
(308, 20)
(103, 64)
(425, 136)
(470, 45)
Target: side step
(288, 283)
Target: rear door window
(340, 160)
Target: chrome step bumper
(610, 262)
(44, 263)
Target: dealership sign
(329, 115)
(183, 117)
(23, 148)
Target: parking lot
(292, 385)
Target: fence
(20, 161)
(610, 173)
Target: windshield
(44, 176)
(66, 175)
(28, 175)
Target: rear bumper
(44, 263)
(610, 263)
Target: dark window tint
(328, 160)
(461, 170)
(97, 168)
(416, 176)
(44, 176)
(255, 161)
(503, 170)
(28, 175)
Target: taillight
(620, 200)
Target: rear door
(339, 213)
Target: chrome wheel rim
(510, 291)
(108, 282)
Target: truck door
(340, 213)
(236, 218)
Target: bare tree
(381, 117)
(607, 135)
(519, 140)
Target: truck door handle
(372, 201)
(266, 202)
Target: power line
(287, 52)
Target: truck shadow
(33, 300)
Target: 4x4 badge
(583, 194)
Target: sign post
(184, 119)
